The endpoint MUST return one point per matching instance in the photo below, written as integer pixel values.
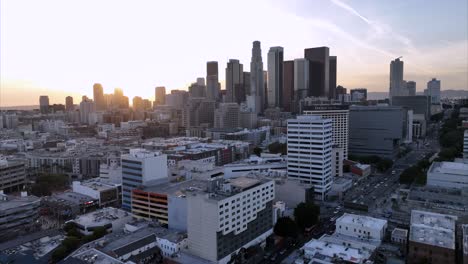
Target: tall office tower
(231, 215)
(198, 112)
(257, 97)
(301, 79)
(340, 116)
(310, 141)
(332, 84)
(227, 115)
(160, 95)
(197, 89)
(212, 81)
(138, 168)
(246, 78)
(234, 78)
(411, 86)
(69, 103)
(396, 78)
(339, 92)
(275, 77)
(118, 100)
(433, 90)
(319, 71)
(137, 103)
(288, 86)
(98, 96)
(358, 94)
(177, 98)
(44, 104)
(87, 107)
(265, 89)
(147, 104)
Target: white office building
(361, 226)
(448, 175)
(340, 116)
(234, 214)
(138, 168)
(310, 152)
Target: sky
(60, 48)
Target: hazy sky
(61, 48)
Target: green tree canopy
(285, 227)
(306, 215)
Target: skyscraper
(198, 89)
(234, 78)
(358, 94)
(257, 97)
(98, 96)
(433, 90)
(411, 86)
(396, 78)
(275, 76)
(160, 95)
(288, 85)
(137, 103)
(332, 85)
(301, 79)
(69, 103)
(309, 152)
(87, 106)
(44, 104)
(227, 116)
(319, 71)
(212, 82)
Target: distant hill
(20, 107)
(443, 94)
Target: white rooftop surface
(450, 168)
(96, 257)
(330, 250)
(141, 153)
(101, 217)
(433, 229)
(365, 221)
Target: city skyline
(67, 58)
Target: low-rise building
(431, 238)
(324, 252)
(400, 236)
(448, 175)
(12, 175)
(464, 244)
(66, 205)
(17, 214)
(105, 193)
(360, 226)
(112, 219)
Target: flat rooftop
(17, 201)
(433, 229)
(93, 256)
(449, 168)
(177, 188)
(326, 251)
(243, 182)
(400, 232)
(101, 217)
(97, 185)
(363, 220)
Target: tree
(306, 215)
(384, 164)
(277, 147)
(285, 227)
(257, 151)
(448, 154)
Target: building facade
(340, 116)
(310, 141)
(138, 168)
(319, 71)
(238, 213)
(275, 77)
